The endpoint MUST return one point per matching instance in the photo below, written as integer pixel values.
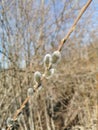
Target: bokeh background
(30, 29)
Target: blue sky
(93, 6)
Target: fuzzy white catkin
(3, 129)
(9, 122)
(47, 61)
(56, 56)
(37, 77)
(40, 87)
(49, 73)
(30, 91)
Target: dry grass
(68, 101)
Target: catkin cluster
(12, 124)
(49, 62)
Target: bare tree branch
(74, 25)
(59, 48)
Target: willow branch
(74, 25)
(59, 49)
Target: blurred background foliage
(30, 29)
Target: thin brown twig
(21, 108)
(59, 49)
(74, 25)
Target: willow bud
(49, 73)
(56, 56)
(10, 122)
(40, 87)
(47, 61)
(30, 92)
(37, 77)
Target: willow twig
(59, 49)
(74, 25)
